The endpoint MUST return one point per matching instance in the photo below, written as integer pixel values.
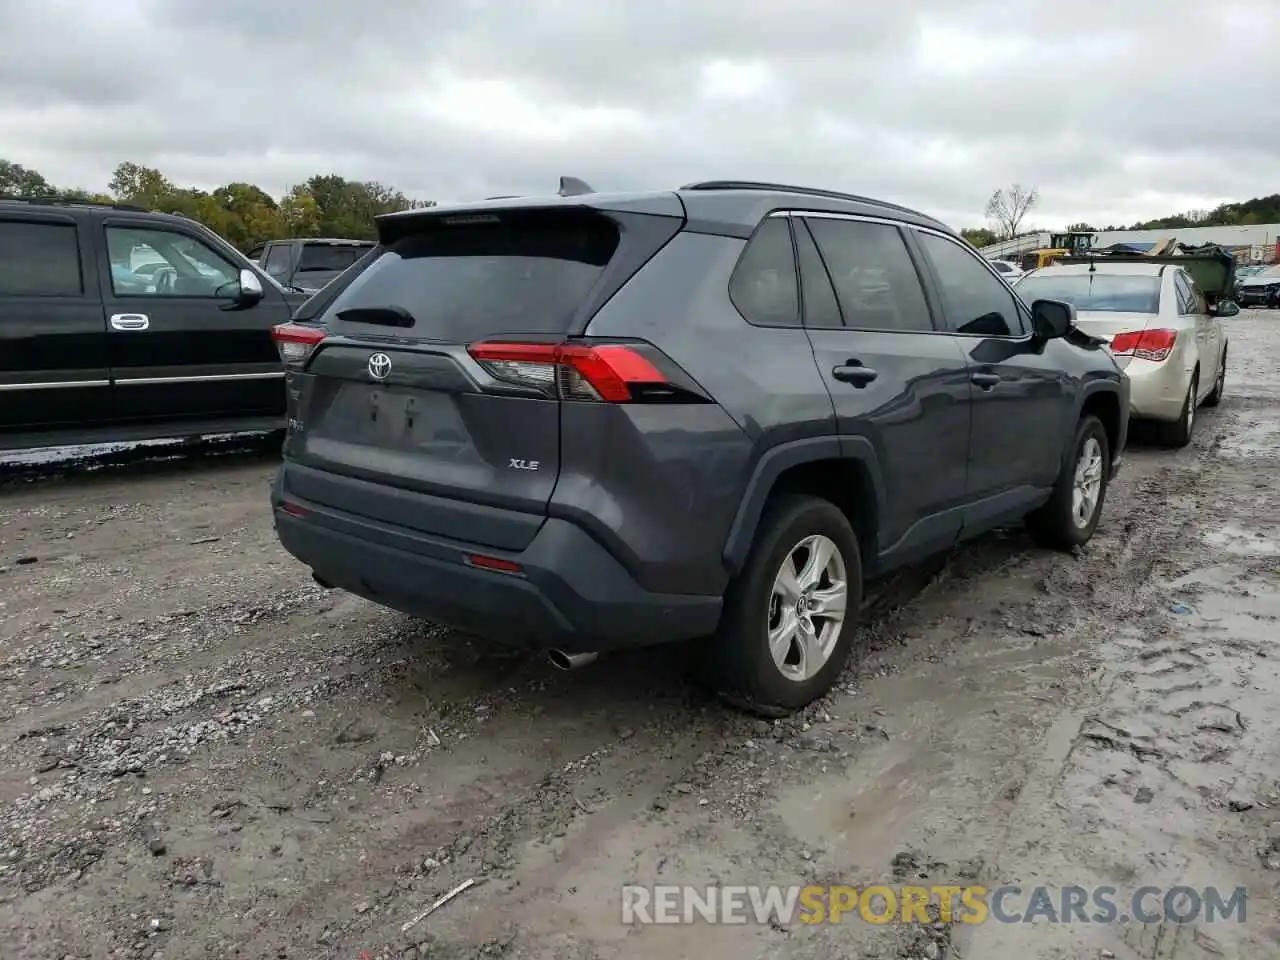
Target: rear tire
(810, 647)
(1072, 512)
(1178, 433)
(1219, 385)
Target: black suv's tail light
(296, 342)
(597, 372)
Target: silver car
(1164, 336)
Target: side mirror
(250, 287)
(1225, 308)
(1051, 319)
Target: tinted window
(763, 286)
(277, 262)
(329, 257)
(973, 300)
(1106, 293)
(820, 307)
(1001, 267)
(464, 281)
(39, 260)
(875, 281)
(164, 263)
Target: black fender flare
(777, 460)
(1090, 389)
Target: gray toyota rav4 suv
(587, 421)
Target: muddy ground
(204, 755)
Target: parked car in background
(1168, 341)
(1259, 289)
(593, 422)
(1007, 269)
(309, 264)
(117, 323)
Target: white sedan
(1166, 339)
(1007, 269)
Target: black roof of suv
(594, 420)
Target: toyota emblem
(379, 366)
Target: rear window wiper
(390, 316)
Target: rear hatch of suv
(426, 391)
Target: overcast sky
(1117, 110)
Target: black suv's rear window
(462, 281)
(330, 256)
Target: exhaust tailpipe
(570, 661)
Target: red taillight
(1146, 344)
(293, 510)
(494, 563)
(296, 342)
(572, 371)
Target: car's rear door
(400, 415)
(180, 344)
(898, 384)
(53, 344)
(1208, 331)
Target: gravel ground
(203, 755)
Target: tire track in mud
(1172, 749)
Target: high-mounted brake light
(296, 342)
(610, 372)
(1145, 344)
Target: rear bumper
(1157, 390)
(570, 592)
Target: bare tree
(1008, 207)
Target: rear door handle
(985, 380)
(854, 373)
(129, 321)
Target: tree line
(1008, 207)
(325, 205)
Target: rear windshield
(329, 256)
(462, 282)
(1000, 266)
(1106, 293)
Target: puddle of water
(1241, 541)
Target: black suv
(117, 323)
(593, 421)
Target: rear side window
(763, 286)
(462, 281)
(875, 280)
(973, 300)
(39, 260)
(329, 257)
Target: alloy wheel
(807, 607)
(1087, 488)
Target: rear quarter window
(39, 259)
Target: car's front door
(1020, 390)
(53, 343)
(897, 384)
(180, 344)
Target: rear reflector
(296, 342)
(608, 372)
(293, 509)
(494, 563)
(1146, 344)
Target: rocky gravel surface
(204, 755)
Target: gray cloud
(1115, 112)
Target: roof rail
(791, 188)
(73, 202)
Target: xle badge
(523, 464)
